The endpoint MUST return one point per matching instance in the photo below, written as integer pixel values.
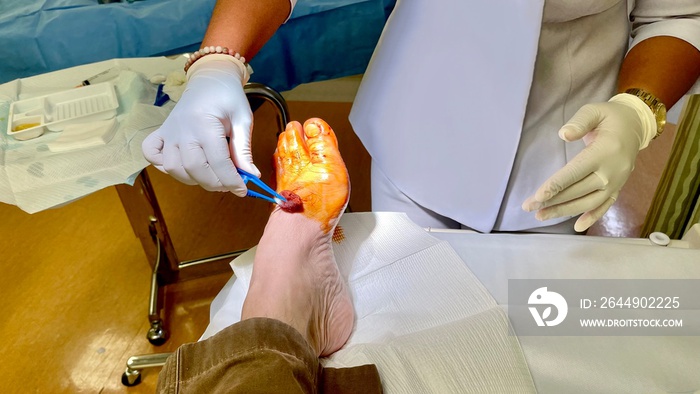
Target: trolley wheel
(157, 335)
(130, 379)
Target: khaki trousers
(259, 355)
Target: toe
(315, 126)
(298, 155)
(287, 142)
(291, 154)
(320, 139)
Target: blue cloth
(323, 39)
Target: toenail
(313, 130)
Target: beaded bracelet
(198, 54)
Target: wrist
(646, 116)
(656, 106)
(222, 61)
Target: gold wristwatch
(657, 107)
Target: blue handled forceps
(276, 197)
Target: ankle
(293, 231)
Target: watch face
(660, 119)
(662, 111)
(657, 107)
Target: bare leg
(295, 277)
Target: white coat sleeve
(675, 18)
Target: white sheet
(556, 364)
(398, 276)
(590, 364)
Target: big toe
(320, 140)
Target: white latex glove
(192, 145)
(614, 133)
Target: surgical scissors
(276, 197)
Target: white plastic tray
(55, 111)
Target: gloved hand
(614, 133)
(192, 145)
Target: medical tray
(30, 118)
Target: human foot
(295, 276)
(309, 165)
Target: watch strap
(657, 107)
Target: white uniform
(462, 101)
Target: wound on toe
(293, 203)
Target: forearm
(245, 25)
(663, 66)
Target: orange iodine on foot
(308, 164)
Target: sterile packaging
(30, 118)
